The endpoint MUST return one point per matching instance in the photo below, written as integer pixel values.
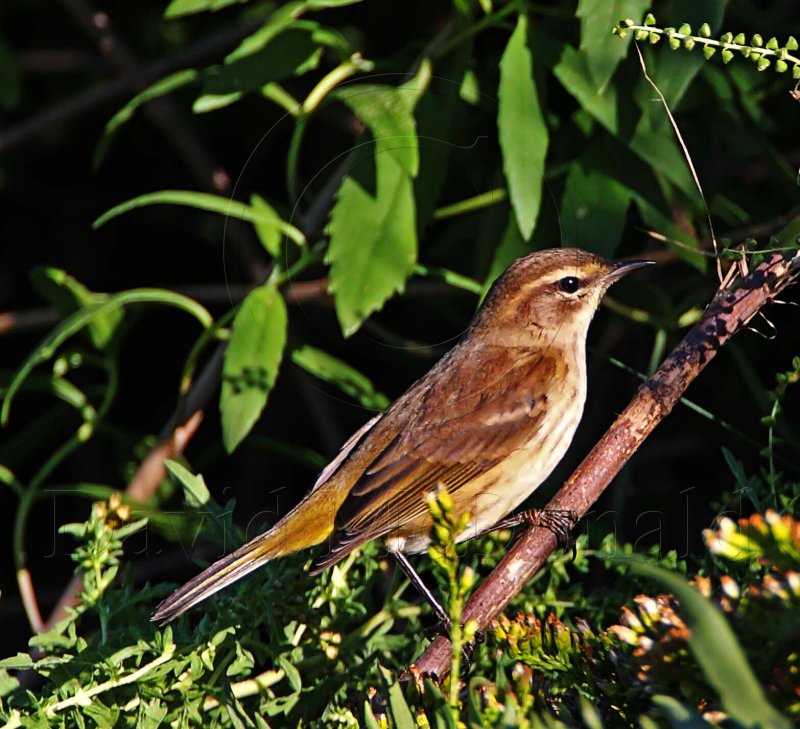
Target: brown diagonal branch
(727, 313)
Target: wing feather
(442, 437)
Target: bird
(487, 424)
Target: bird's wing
(488, 406)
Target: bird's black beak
(623, 268)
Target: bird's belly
(496, 493)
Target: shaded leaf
(679, 715)
(656, 148)
(195, 491)
(159, 88)
(593, 210)
(348, 379)
(292, 51)
(69, 295)
(511, 247)
(9, 77)
(178, 8)
(718, 652)
(252, 358)
(522, 130)
(84, 317)
(604, 51)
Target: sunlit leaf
(268, 233)
(373, 236)
(252, 358)
(522, 130)
(228, 207)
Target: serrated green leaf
(69, 295)
(522, 130)
(719, 654)
(387, 113)
(195, 491)
(349, 380)
(252, 358)
(593, 210)
(159, 88)
(372, 229)
(603, 51)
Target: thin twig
(728, 312)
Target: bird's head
(552, 294)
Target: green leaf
(370, 722)
(195, 491)
(718, 652)
(84, 317)
(159, 88)
(593, 210)
(349, 380)
(399, 710)
(372, 229)
(656, 146)
(9, 77)
(388, 115)
(512, 246)
(179, 8)
(228, 207)
(252, 358)
(604, 51)
(273, 53)
(522, 130)
(675, 72)
(69, 295)
(679, 715)
(268, 233)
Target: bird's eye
(569, 284)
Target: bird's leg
(445, 623)
(558, 521)
(423, 590)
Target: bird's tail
(306, 525)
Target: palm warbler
(488, 424)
